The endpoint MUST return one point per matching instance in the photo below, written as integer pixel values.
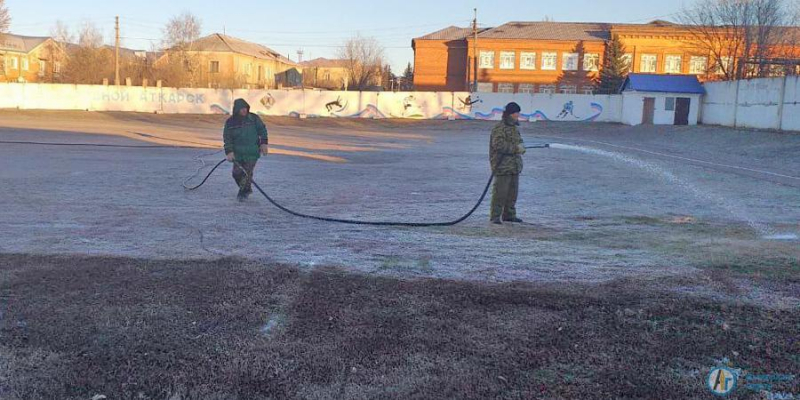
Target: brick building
(29, 59)
(551, 57)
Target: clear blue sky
(318, 27)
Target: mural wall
(312, 103)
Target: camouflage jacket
(504, 155)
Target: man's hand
(264, 149)
(521, 149)
(230, 157)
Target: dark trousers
(504, 197)
(243, 175)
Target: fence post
(736, 105)
(780, 103)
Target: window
(505, 88)
(649, 62)
(698, 65)
(485, 87)
(57, 67)
(725, 64)
(591, 62)
(568, 89)
(214, 67)
(588, 90)
(42, 67)
(526, 88)
(14, 63)
(547, 89)
(248, 69)
(669, 104)
(327, 76)
(527, 61)
(549, 61)
(507, 59)
(25, 64)
(672, 65)
(569, 61)
(487, 59)
(627, 59)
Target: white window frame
(530, 57)
(591, 62)
(526, 88)
(727, 62)
(589, 90)
(673, 64)
(211, 65)
(627, 58)
(649, 63)
(569, 61)
(694, 62)
(42, 67)
(483, 86)
(486, 60)
(248, 69)
(505, 87)
(505, 57)
(547, 89)
(26, 64)
(14, 64)
(568, 89)
(549, 56)
(57, 67)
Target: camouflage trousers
(243, 175)
(504, 197)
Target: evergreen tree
(408, 78)
(615, 67)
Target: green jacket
(504, 155)
(244, 135)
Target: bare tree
(182, 67)
(743, 36)
(90, 61)
(363, 57)
(5, 17)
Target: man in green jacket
(246, 139)
(505, 155)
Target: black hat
(512, 108)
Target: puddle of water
(761, 229)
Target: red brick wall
(440, 65)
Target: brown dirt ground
(72, 328)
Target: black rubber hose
(370, 223)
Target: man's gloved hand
(521, 149)
(230, 157)
(264, 149)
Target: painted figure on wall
(336, 106)
(568, 109)
(466, 104)
(267, 101)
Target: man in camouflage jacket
(505, 155)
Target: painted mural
(313, 103)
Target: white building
(661, 99)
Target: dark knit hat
(512, 108)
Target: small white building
(661, 99)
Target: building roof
(18, 43)
(450, 33)
(570, 31)
(322, 62)
(663, 83)
(222, 43)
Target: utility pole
(475, 52)
(116, 52)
